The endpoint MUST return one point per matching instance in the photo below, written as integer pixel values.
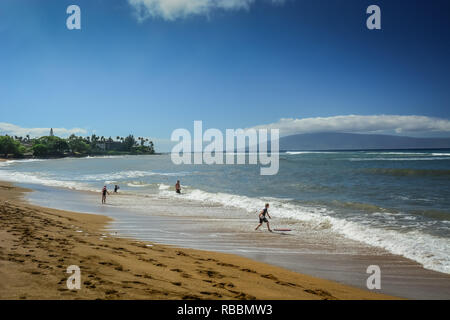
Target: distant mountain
(352, 141)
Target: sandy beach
(38, 244)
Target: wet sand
(38, 244)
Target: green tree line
(53, 146)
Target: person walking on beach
(104, 192)
(178, 187)
(262, 217)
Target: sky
(148, 67)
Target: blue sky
(249, 64)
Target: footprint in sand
(218, 295)
(160, 265)
(287, 284)
(242, 295)
(319, 292)
(269, 276)
(222, 285)
(111, 291)
(248, 270)
(181, 253)
(223, 264)
(89, 284)
(211, 273)
(133, 282)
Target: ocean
(394, 200)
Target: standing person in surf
(178, 187)
(104, 192)
(262, 217)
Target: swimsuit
(263, 218)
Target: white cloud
(360, 124)
(14, 130)
(176, 9)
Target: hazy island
(52, 146)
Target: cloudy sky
(148, 67)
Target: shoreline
(38, 244)
(2, 159)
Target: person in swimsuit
(178, 187)
(262, 217)
(104, 192)
(116, 188)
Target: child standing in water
(178, 187)
(262, 217)
(104, 192)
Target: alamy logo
(74, 20)
(234, 150)
(374, 280)
(74, 281)
(374, 20)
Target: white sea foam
(33, 178)
(137, 184)
(307, 152)
(129, 174)
(103, 157)
(441, 154)
(26, 160)
(399, 159)
(430, 251)
(400, 153)
(10, 162)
